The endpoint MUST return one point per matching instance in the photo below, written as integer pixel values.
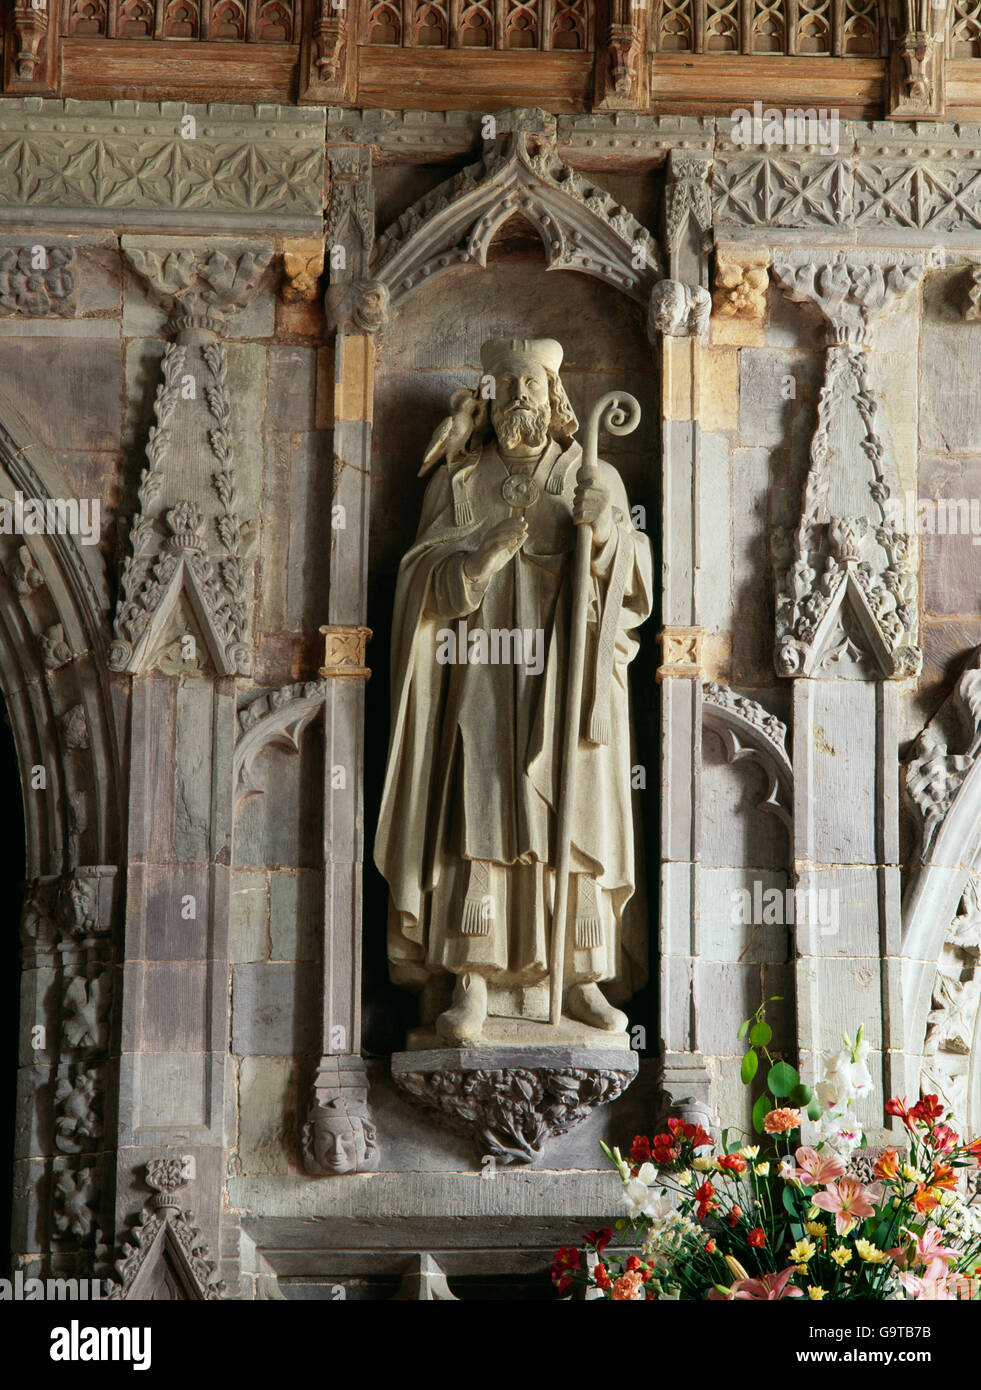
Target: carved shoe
(588, 1004)
(463, 1022)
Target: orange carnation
(779, 1121)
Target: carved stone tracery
(581, 226)
(750, 732)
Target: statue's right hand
(500, 545)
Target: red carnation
(756, 1237)
(732, 1163)
(633, 1262)
(601, 1277)
(705, 1197)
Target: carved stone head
(530, 405)
(338, 1138)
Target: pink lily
(930, 1248)
(932, 1284)
(813, 1170)
(849, 1201)
(765, 1289)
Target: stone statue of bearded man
(480, 651)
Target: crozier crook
(619, 413)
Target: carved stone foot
(588, 1004)
(463, 1022)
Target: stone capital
(198, 286)
(850, 290)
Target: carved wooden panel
(965, 29)
(248, 21)
(792, 28)
(540, 25)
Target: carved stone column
(338, 1136)
(678, 320)
(182, 637)
(846, 614)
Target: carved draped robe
(466, 835)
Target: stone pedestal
(514, 1093)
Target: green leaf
(814, 1111)
(789, 1199)
(743, 1029)
(781, 1079)
(619, 1225)
(749, 1067)
(801, 1095)
(761, 1109)
(760, 1034)
(774, 998)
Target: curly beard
(521, 425)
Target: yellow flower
(814, 1228)
(803, 1251)
(816, 1292)
(750, 1151)
(871, 1253)
(947, 1199)
(910, 1173)
(703, 1164)
(761, 1169)
(684, 1178)
(841, 1256)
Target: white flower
(636, 1198)
(652, 1202)
(647, 1174)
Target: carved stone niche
(510, 1099)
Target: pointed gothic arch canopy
(54, 625)
(581, 226)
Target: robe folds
(472, 784)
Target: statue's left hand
(591, 507)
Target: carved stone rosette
(682, 652)
(344, 652)
(510, 1106)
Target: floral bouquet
(779, 1219)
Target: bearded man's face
(521, 411)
